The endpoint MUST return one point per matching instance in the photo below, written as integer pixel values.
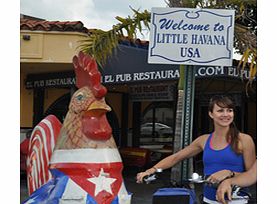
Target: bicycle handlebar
(196, 179)
(149, 178)
(152, 177)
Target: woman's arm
(194, 148)
(248, 150)
(245, 179)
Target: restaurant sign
(191, 36)
(67, 79)
(50, 80)
(153, 92)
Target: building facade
(142, 96)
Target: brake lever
(152, 177)
(196, 178)
(235, 193)
(148, 179)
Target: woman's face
(222, 116)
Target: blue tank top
(217, 160)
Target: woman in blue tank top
(226, 151)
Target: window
(157, 126)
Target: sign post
(187, 117)
(190, 37)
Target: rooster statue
(77, 161)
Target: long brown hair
(233, 134)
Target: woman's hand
(219, 176)
(141, 175)
(224, 188)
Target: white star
(31, 200)
(102, 182)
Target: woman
(226, 151)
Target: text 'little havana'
(195, 35)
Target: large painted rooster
(77, 162)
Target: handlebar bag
(174, 196)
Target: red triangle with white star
(101, 181)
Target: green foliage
(101, 44)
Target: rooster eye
(80, 97)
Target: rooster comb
(87, 74)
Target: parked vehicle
(160, 129)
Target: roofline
(23, 16)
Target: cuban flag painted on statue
(84, 176)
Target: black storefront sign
(129, 65)
(141, 76)
(219, 71)
(153, 92)
(50, 80)
(67, 79)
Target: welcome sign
(191, 36)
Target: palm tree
(101, 44)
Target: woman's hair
(225, 102)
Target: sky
(98, 14)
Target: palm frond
(101, 44)
(249, 58)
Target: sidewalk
(141, 193)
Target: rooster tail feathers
(41, 147)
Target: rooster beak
(96, 105)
